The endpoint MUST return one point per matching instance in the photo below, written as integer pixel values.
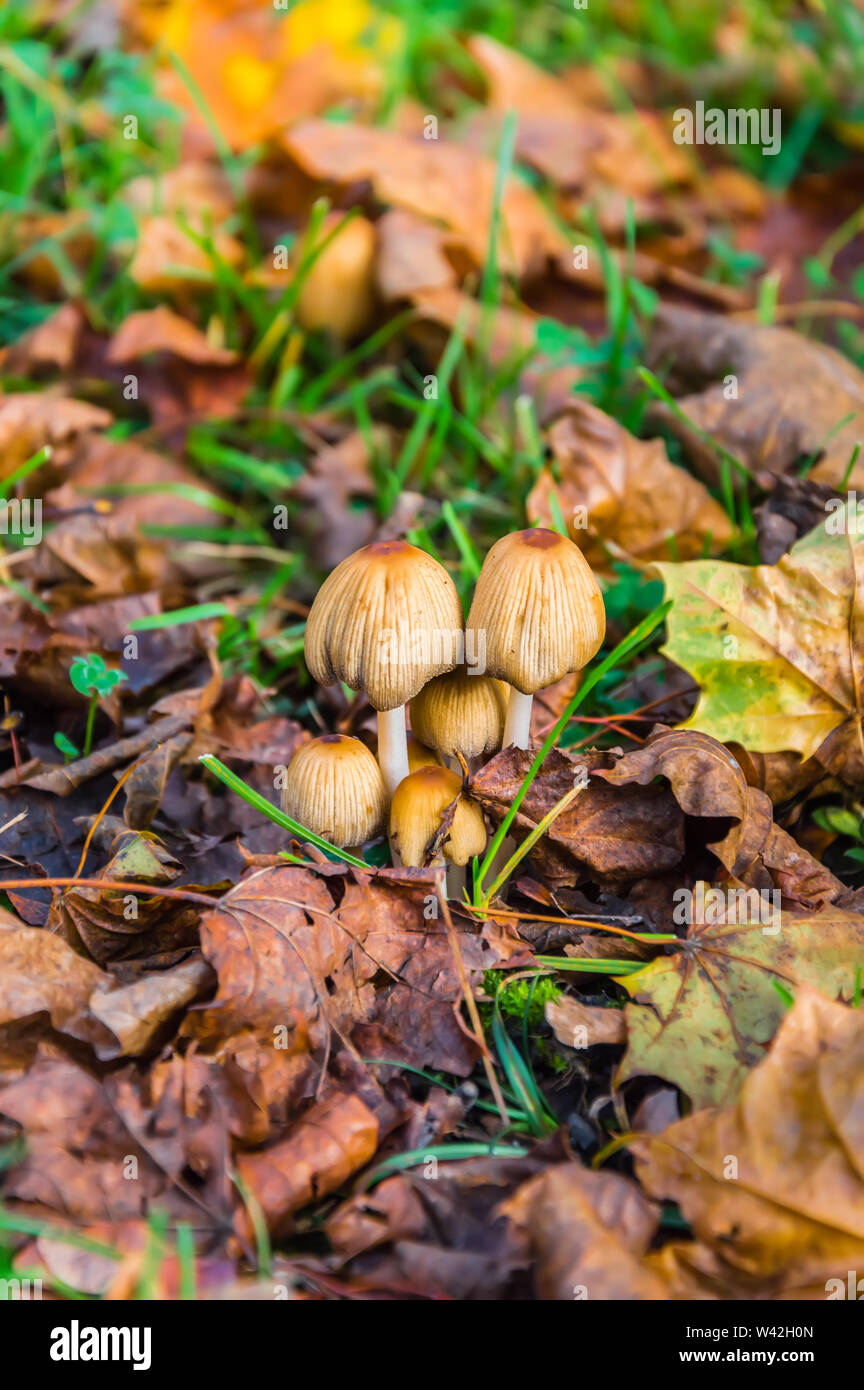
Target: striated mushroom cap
(459, 712)
(540, 607)
(387, 620)
(334, 787)
(418, 804)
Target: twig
(470, 1001)
(111, 885)
(647, 937)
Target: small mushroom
(419, 755)
(334, 787)
(387, 620)
(416, 828)
(338, 290)
(541, 611)
(461, 713)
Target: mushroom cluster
(388, 621)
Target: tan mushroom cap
(460, 712)
(418, 804)
(540, 607)
(385, 621)
(334, 787)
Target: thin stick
(91, 832)
(648, 937)
(470, 1001)
(111, 884)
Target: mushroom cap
(334, 787)
(461, 712)
(418, 804)
(385, 621)
(419, 755)
(338, 290)
(540, 607)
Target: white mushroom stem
(517, 727)
(392, 746)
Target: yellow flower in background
(344, 24)
(258, 66)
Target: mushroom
(338, 290)
(416, 830)
(419, 755)
(541, 611)
(460, 713)
(334, 787)
(385, 621)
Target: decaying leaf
(773, 1183)
(710, 785)
(300, 975)
(769, 396)
(581, 1025)
(438, 180)
(600, 834)
(621, 496)
(31, 420)
(39, 974)
(326, 1146)
(162, 330)
(704, 1014)
(588, 1233)
(777, 649)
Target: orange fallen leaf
(162, 330)
(775, 1183)
(321, 1151)
(437, 179)
(622, 496)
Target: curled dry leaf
(61, 781)
(51, 346)
(162, 330)
(619, 495)
(145, 786)
(588, 1234)
(113, 925)
(582, 1025)
(168, 261)
(40, 974)
(411, 256)
(30, 420)
(767, 395)
(134, 1014)
(790, 1213)
(572, 142)
(443, 182)
(708, 783)
(321, 1151)
(777, 649)
(600, 834)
